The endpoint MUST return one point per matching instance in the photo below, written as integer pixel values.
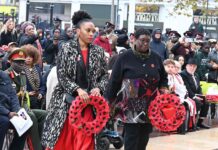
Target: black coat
(7, 38)
(190, 84)
(50, 52)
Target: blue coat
(8, 98)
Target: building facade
(127, 13)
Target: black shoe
(204, 126)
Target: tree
(183, 5)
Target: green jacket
(202, 58)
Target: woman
(102, 41)
(35, 85)
(8, 33)
(181, 60)
(141, 72)
(81, 71)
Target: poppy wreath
(166, 113)
(101, 118)
(212, 98)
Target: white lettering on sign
(210, 20)
(147, 17)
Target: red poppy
(101, 118)
(212, 98)
(166, 113)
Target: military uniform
(19, 84)
(8, 103)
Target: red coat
(104, 44)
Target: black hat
(122, 39)
(57, 19)
(199, 36)
(192, 61)
(188, 34)
(119, 32)
(109, 24)
(174, 33)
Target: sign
(209, 20)
(146, 17)
(7, 9)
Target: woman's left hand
(95, 92)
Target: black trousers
(136, 136)
(203, 107)
(17, 142)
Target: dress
(70, 71)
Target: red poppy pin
(152, 66)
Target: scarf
(140, 55)
(33, 77)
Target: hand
(55, 42)
(95, 92)
(12, 114)
(199, 98)
(39, 96)
(83, 95)
(214, 66)
(32, 93)
(164, 91)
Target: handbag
(69, 98)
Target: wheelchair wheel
(103, 144)
(119, 144)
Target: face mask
(174, 40)
(17, 66)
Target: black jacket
(7, 38)
(190, 84)
(50, 52)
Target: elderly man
(17, 59)
(9, 105)
(192, 83)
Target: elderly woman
(81, 70)
(138, 74)
(35, 85)
(8, 33)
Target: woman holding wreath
(138, 74)
(81, 70)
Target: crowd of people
(43, 71)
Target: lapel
(80, 60)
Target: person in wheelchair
(192, 84)
(9, 105)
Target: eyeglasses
(144, 40)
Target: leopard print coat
(66, 71)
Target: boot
(200, 124)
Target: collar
(143, 56)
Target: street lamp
(51, 14)
(27, 9)
(12, 14)
(206, 17)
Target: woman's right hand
(83, 95)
